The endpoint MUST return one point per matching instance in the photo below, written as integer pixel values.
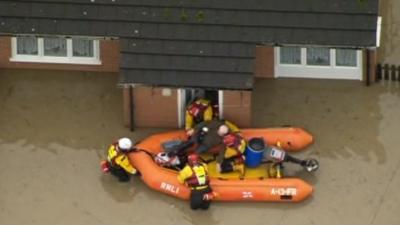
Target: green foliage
(184, 15)
(200, 16)
(167, 13)
(172, 12)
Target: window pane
(318, 56)
(346, 57)
(82, 47)
(27, 46)
(290, 55)
(55, 46)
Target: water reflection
(120, 192)
(343, 116)
(198, 217)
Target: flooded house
(165, 51)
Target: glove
(189, 132)
(134, 172)
(104, 166)
(209, 196)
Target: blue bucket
(254, 152)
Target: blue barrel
(254, 152)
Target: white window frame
(331, 71)
(69, 59)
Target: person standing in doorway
(198, 111)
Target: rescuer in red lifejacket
(232, 158)
(195, 175)
(198, 111)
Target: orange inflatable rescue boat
(255, 186)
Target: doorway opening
(188, 95)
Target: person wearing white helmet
(117, 162)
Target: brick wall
(264, 62)
(152, 108)
(237, 107)
(109, 56)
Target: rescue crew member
(198, 111)
(210, 133)
(195, 175)
(231, 158)
(117, 160)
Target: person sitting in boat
(209, 134)
(198, 111)
(195, 175)
(231, 158)
(117, 162)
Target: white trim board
(221, 104)
(181, 95)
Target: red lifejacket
(197, 180)
(232, 140)
(197, 109)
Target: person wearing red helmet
(232, 158)
(195, 175)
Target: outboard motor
(257, 152)
(279, 155)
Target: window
(290, 55)
(55, 47)
(346, 57)
(27, 46)
(318, 62)
(82, 48)
(318, 56)
(55, 50)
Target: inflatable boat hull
(247, 189)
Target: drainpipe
(367, 80)
(132, 108)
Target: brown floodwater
(389, 52)
(55, 127)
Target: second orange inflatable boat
(255, 186)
